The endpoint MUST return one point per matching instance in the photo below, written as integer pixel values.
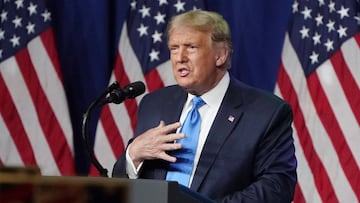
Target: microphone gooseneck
(115, 95)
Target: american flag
(320, 77)
(35, 128)
(142, 56)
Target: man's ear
(223, 54)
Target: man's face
(195, 59)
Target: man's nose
(182, 55)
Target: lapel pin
(231, 118)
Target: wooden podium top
(26, 185)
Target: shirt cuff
(132, 172)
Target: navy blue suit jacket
(248, 159)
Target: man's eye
(192, 47)
(173, 48)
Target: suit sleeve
(119, 170)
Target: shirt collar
(214, 96)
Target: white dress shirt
(213, 99)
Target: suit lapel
(173, 107)
(170, 113)
(226, 119)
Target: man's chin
(183, 83)
(189, 89)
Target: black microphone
(131, 90)
(116, 95)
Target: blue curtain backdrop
(87, 34)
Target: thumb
(161, 124)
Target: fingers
(171, 146)
(166, 157)
(165, 129)
(170, 138)
(154, 143)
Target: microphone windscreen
(134, 89)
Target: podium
(34, 188)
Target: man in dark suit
(245, 150)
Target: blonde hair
(206, 21)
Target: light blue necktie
(180, 171)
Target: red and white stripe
(326, 123)
(34, 117)
(117, 122)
